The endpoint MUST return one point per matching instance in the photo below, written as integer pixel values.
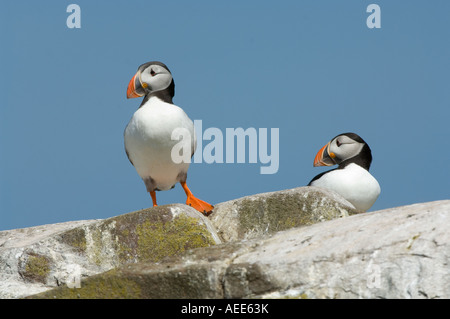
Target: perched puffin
(351, 179)
(148, 135)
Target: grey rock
(299, 243)
(262, 214)
(401, 252)
(38, 258)
(35, 244)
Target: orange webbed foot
(202, 206)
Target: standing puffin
(351, 179)
(148, 135)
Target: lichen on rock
(157, 240)
(286, 244)
(267, 213)
(34, 267)
(72, 252)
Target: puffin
(148, 134)
(351, 179)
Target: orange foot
(202, 206)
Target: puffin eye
(338, 143)
(152, 73)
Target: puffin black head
(152, 79)
(345, 149)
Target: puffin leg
(198, 204)
(153, 195)
(150, 185)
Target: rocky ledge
(298, 243)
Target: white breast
(149, 143)
(354, 183)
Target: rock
(261, 214)
(286, 244)
(18, 277)
(38, 258)
(401, 252)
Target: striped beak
(135, 88)
(324, 157)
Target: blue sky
(313, 69)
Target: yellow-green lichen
(411, 241)
(36, 268)
(283, 211)
(75, 238)
(94, 245)
(159, 239)
(109, 285)
(149, 234)
(275, 213)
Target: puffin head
(344, 148)
(152, 77)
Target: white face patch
(344, 147)
(156, 78)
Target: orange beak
(324, 158)
(135, 89)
